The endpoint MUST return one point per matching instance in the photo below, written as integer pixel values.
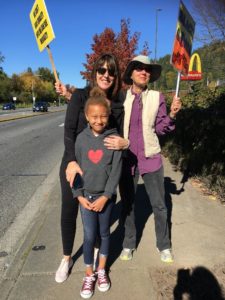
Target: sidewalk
(198, 226)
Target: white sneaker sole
(86, 296)
(104, 289)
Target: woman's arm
(74, 110)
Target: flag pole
(178, 83)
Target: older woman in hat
(145, 118)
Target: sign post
(43, 30)
(180, 58)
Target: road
(11, 112)
(30, 149)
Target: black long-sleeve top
(75, 120)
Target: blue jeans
(95, 223)
(154, 185)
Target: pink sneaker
(87, 289)
(63, 271)
(103, 281)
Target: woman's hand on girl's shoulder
(115, 142)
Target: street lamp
(156, 33)
(32, 86)
(156, 30)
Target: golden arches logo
(198, 63)
(194, 74)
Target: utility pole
(32, 87)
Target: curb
(15, 235)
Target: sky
(74, 24)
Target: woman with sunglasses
(106, 76)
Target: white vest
(150, 101)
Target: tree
(170, 78)
(2, 74)
(45, 74)
(29, 70)
(17, 86)
(5, 84)
(21, 86)
(123, 45)
(213, 61)
(102, 43)
(210, 20)
(1, 60)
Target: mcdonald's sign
(194, 74)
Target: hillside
(213, 67)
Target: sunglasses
(140, 68)
(102, 71)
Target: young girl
(101, 172)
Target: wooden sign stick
(52, 63)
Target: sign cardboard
(180, 58)
(41, 24)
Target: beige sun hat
(155, 69)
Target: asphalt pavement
(197, 232)
(27, 113)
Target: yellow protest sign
(41, 24)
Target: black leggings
(69, 212)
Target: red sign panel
(180, 58)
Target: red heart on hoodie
(95, 156)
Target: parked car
(40, 106)
(8, 106)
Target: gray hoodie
(101, 167)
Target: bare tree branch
(210, 20)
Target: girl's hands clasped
(99, 204)
(84, 202)
(96, 206)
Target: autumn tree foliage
(123, 45)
